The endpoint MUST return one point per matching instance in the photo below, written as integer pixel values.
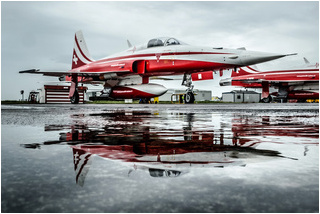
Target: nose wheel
(189, 96)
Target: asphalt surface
(160, 158)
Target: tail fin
(245, 71)
(306, 61)
(81, 55)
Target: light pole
(22, 92)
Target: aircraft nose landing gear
(189, 96)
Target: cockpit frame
(163, 41)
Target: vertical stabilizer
(129, 43)
(82, 162)
(306, 61)
(81, 55)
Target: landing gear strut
(73, 93)
(266, 98)
(187, 81)
(75, 98)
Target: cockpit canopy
(163, 41)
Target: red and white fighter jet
(126, 75)
(298, 83)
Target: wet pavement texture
(160, 158)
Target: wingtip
(291, 54)
(29, 71)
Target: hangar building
(241, 97)
(59, 94)
(176, 95)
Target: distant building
(241, 97)
(59, 94)
(176, 95)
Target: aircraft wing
(253, 82)
(45, 73)
(68, 73)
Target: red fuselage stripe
(288, 71)
(252, 69)
(158, 54)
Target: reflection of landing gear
(75, 97)
(187, 81)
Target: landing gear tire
(266, 100)
(75, 98)
(189, 97)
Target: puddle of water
(159, 160)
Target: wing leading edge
(69, 73)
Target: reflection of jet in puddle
(274, 126)
(159, 151)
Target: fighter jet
(126, 75)
(297, 83)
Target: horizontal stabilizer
(105, 74)
(46, 73)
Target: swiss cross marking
(75, 59)
(76, 157)
(158, 56)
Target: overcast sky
(41, 34)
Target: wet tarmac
(160, 158)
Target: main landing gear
(73, 93)
(189, 96)
(266, 99)
(75, 97)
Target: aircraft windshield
(162, 42)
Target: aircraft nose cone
(251, 58)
